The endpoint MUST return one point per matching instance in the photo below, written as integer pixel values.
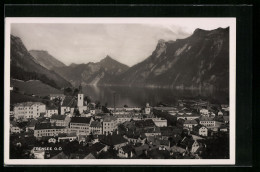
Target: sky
(128, 42)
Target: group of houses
(132, 132)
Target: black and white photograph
(120, 91)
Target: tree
(87, 98)
(68, 91)
(125, 106)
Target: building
(147, 109)
(116, 141)
(47, 129)
(109, 124)
(121, 118)
(190, 124)
(220, 113)
(51, 111)
(60, 120)
(204, 111)
(160, 122)
(80, 125)
(68, 105)
(226, 119)
(29, 110)
(82, 104)
(96, 127)
(126, 151)
(186, 116)
(14, 127)
(31, 125)
(207, 121)
(201, 130)
(67, 137)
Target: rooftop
(42, 126)
(58, 117)
(28, 104)
(95, 124)
(190, 122)
(80, 119)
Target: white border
(232, 96)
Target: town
(73, 127)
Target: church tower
(80, 97)
(147, 109)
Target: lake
(137, 96)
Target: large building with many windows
(80, 125)
(29, 110)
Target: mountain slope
(199, 61)
(45, 59)
(24, 67)
(92, 73)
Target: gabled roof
(95, 124)
(190, 122)
(113, 140)
(69, 101)
(205, 118)
(98, 146)
(144, 123)
(80, 120)
(41, 126)
(58, 117)
(109, 119)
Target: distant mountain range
(92, 73)
(200, 61)
(25, 67)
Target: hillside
(24, 67)
(92, 73)
(35, 87)
(45, 59)
(199, 61)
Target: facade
(80, 125)
(204, 111)
(109, 124)
(207, 121)
(50, 112)
(29, 110)
(96, 127)
(203, 131)
(14, 128)
(60, 120)
(47, 129)
(190, 124)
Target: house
(99, 147)
(204, 112)
(14, 128)
(147, 109)
(155, 131)
(164, 144)
(126, 151)
(68, 105)
(201, 130)
(47, 129)
(31, 125)
(121, 118)
(95, 127)
(189, 124)
(160, 122)
(52, 140)
(207, 121)
(80, 125)
(109, 124)
(28, 110)
(37, 153)
(220, 113)
(226, 119)
(197, 146)
(51, 110)
(116, 141)
(60, 120)
(67, 137)
(188, 116)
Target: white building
(203, 131)
(29, 110)
(204, 111)
(50, 112)
(207, 121)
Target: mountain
(24, 67)
(92, 73)
(45, 59)
(199, 61)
